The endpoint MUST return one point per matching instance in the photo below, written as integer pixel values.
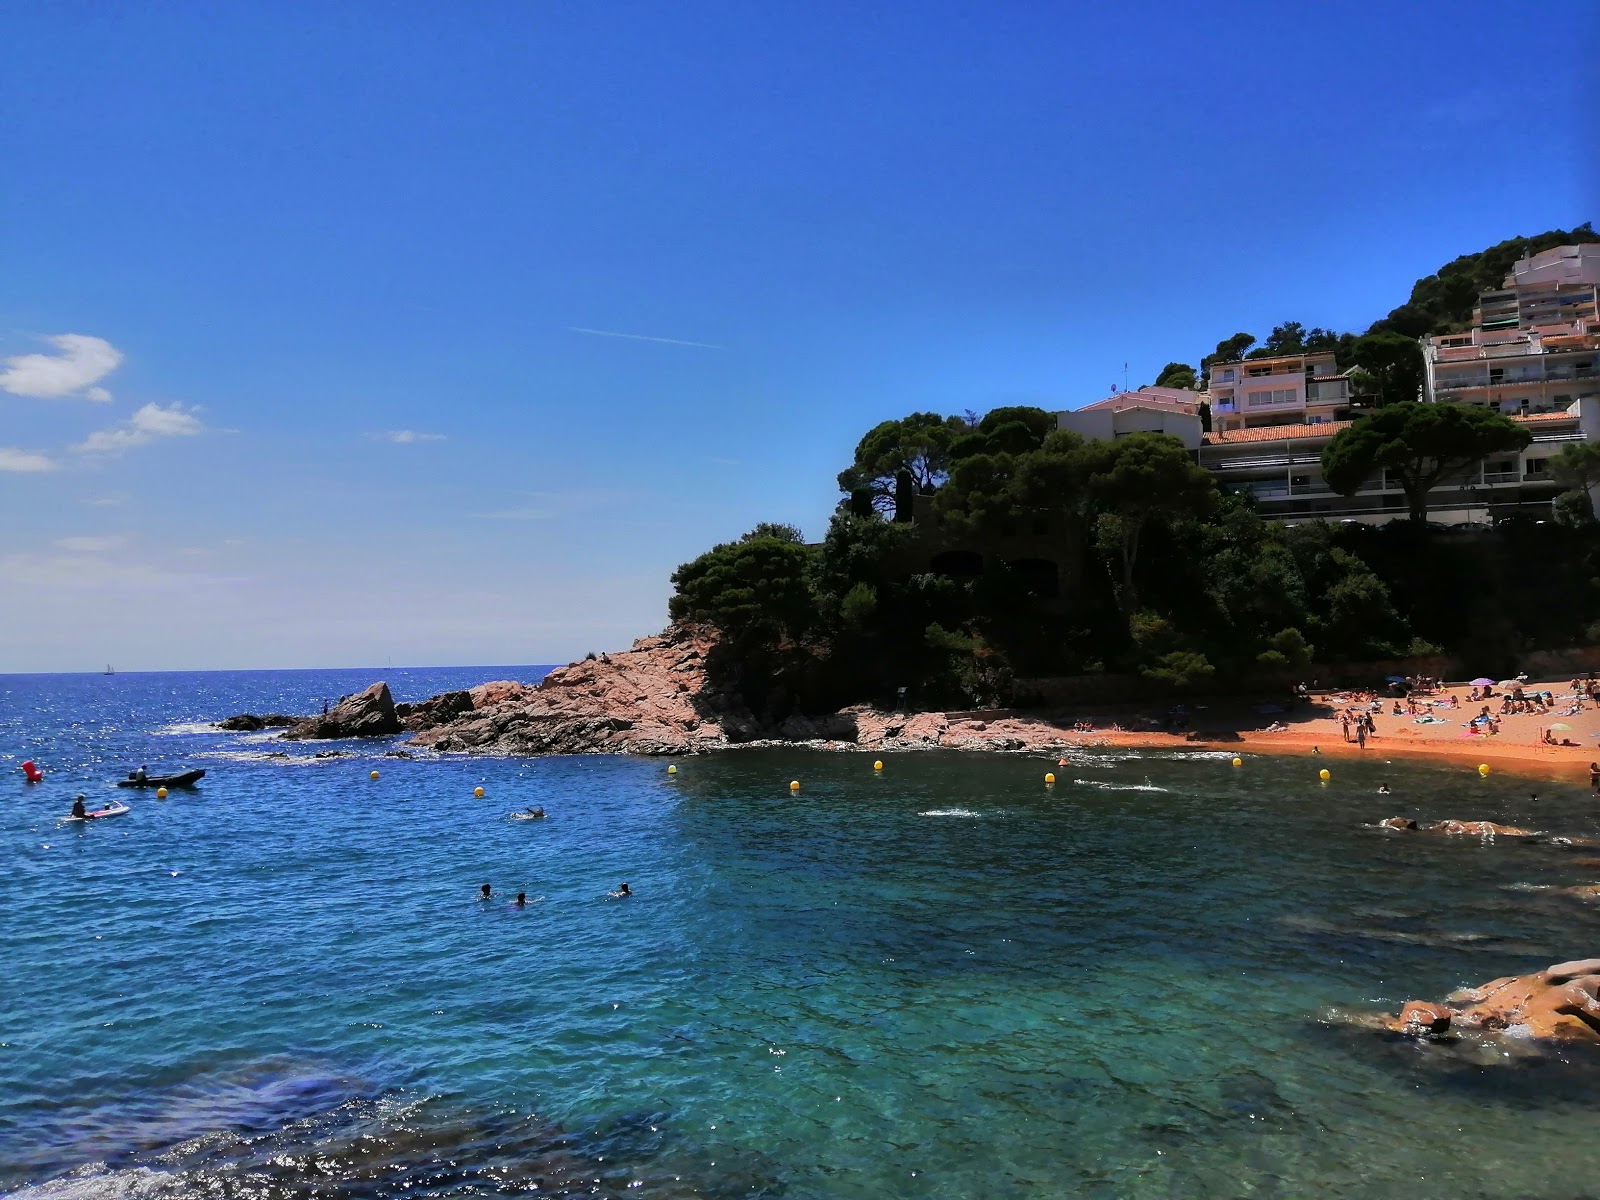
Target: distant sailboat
(108, 670)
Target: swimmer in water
(484, 892)
(77, 807)
(1383, 789)
(623, 890)
(536, 812)
(522, 899)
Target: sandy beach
(1315, 728)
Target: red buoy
(32, 772)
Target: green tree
(774, 529)
(1228, 350)
(1420, 445)
(1177, 375)
(1577, 465)
(1134, 480)
(1394, 363)
(1288, 338)
(1573, 510)
(898, 460)
(754, 592)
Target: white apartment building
(1281, 466)
(1294, 389)
(1172, 411)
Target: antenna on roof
(1124, 376)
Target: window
(1536, 466)
(1227, 376)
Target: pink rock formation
(649, 699)
(1559, 1004)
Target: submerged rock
(251, 723)
(1483, 829)
(1560, 1004)
(366, 714)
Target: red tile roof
(1276, 433)
(1281, 433)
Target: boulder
(1560, 1004)
(366, 714)
(438, 710)
(251, 723)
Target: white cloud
(24, 461)
(405, 437)
(89, 545)
(80, 362)
(145, 426)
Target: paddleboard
(116, 810)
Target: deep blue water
(943, 980)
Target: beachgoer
(1383, 789)
(622, 891)
(484, 892)
(1361, 736)
(77, 807)
(140, 774)
(522, 899)
(535, 812)
(1594, 776)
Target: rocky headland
(655, 698)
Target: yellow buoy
(1324, 774)
(877, 765)
(478, 792)
(1049, 778)
(794, 785)
(1238, 762)
(1483, 768)
(672, 770)
(374, 775)
(161, 793)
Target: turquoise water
(941, 981)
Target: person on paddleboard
(77, 807)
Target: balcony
(1490, 478)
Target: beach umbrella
(1394, 678)
(1509, 683)
(1559, 725)
(1480, 681)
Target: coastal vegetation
(971, 556)
(976, 554)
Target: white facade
(1098, 423)
(1275, 391)
(1564, 264)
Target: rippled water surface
(942, 980)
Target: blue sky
(337, 272)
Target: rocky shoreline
(654, 698)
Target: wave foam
(1118, 787)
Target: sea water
(943, 979)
